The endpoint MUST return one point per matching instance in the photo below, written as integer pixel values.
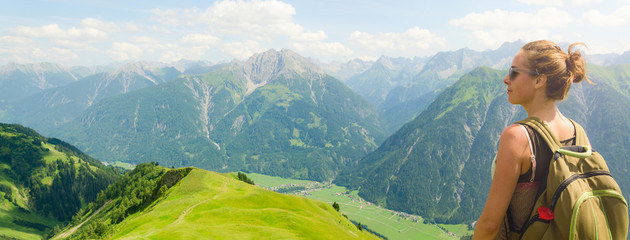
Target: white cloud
(584, 2)
(543, 2)
(258, 17)
(131, 27)
(14, 41)
(176, 53)
(149, 45)
(76, 45)
(53, 31)
(412, 39)
(22, 49)
(250, 22)
(16, 49)
(38, 53)
(123, 51)
(322, 48)
(620, 17)
(144, 47)
(167, 17)
(310, 36)
(91, 23)
(314, 44)
(145, 41)
(493, 28)
(242, 50)
(200, 39)
(161, 30)
(250, 18)
(61, 54)
(28, 52)
(46, 31)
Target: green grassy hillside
(43, 182)
(209, 205)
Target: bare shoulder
(513, 140)
(513, 133)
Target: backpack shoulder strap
(580, 135)
(544, 131)
(532, 156)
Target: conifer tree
(336, 206)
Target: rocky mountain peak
(184, 64)
(264, 66)
(145, 69)
(509, 47)
(137, 67)
(259, 69)
(393, 63)
(345, 70)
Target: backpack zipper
(571, 179)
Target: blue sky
(91, 32)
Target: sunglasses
(515, 71)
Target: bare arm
(513, 151)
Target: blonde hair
(560, 68)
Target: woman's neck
(545, 109)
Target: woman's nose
(506, 79)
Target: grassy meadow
(208, 205)
(391, 224)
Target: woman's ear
(541, 80)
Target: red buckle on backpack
(545, 213)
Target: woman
(541, 75)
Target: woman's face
(520, 81)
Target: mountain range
(401, 88)
(276, 113)
(414, 135)
(55, 106)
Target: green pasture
(123, 165)
(391, 224)
(208, 205)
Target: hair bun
(575, 64)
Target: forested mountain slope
(43, 181)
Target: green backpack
(580, 199)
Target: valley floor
(391, 224)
